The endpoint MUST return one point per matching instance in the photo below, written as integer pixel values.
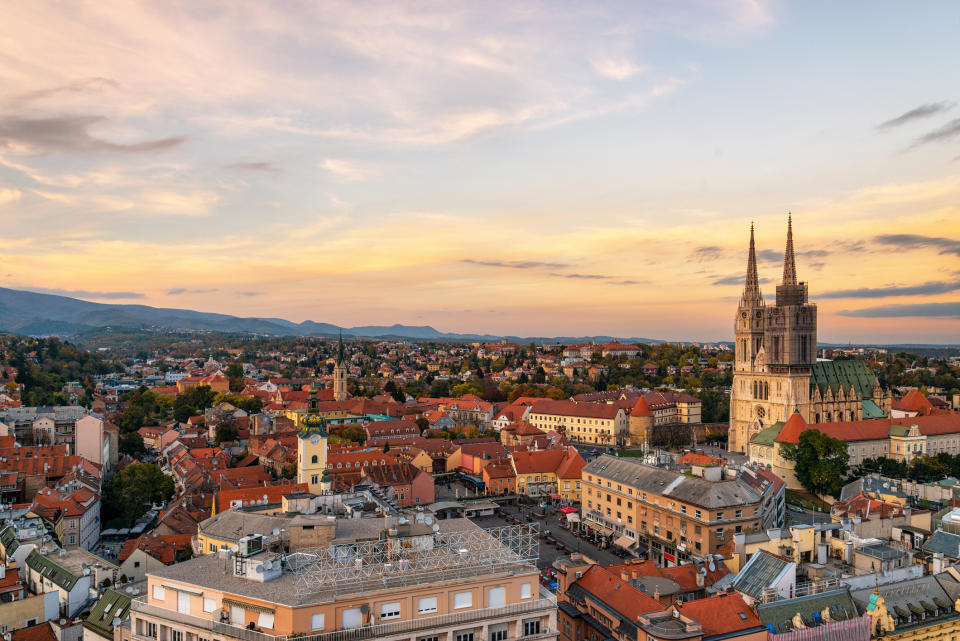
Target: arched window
(827, 418)
(816, 418)
(313, 459)
(766, 390)
(851, 416)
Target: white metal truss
(392, 561)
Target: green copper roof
(111, 604)
(845, 374)
(872, 410)
(767, 436)
(899, 430)
(52, 571)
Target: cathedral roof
(833, 375)
(769, 435)
(792, 429)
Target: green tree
(129, 494)
(353, 433)
(422, 423)
(234, 373)
(226, 431)
(820, 461)
(132, 443)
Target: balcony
(547, 601)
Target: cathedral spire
(751, 288)
(789, 266)
(340, 356)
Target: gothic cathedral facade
(776, 370)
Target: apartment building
(677, 516)
(603, 424)
(386, 579)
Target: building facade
(776, 371)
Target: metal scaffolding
(394, 561)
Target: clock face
(314, 439)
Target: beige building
(776, 371)
(415, 581)
(598, 423)
(679, 516)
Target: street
(808, 517)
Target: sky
(521, 168)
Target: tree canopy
(820, 462)
(129, 494)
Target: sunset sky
(526, 168)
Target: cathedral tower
(340, 374)
(749, 324)
(791, 331)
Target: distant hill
(34, 314)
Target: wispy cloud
(347, 170)
(923, 111)
(86, 294)
(254, 166)
(515, 264)
(177, 291)
(930, 288)
(945, 132)
(70, 134)
(582, 276)
(928, 310)
(9, 195)
(737, 279)
(249, 294)
(917, 241)
(706, 253)
(90, 86)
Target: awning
(573, 517)
(247, 606)
(568, 510)
(624, 542)
(555, 497)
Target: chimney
(624, 575)
(636, 574)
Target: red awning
(568, 510)
(555, 497)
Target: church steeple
(340, 357)
(789, 264)
(751, 288)
(340, 373)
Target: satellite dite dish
(428, 520)
(276, 531)
(436, 527)
(234, 548)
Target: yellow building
(920, 609)
(312, 447)
(797, 543)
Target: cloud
(94, 85)
(254, 166)
(346, 170)
(916, 241)
(249, 294)
(9, 195)
(944, 132)
(927, 310)
(929, 288)
(176, 291)
(582, 276)
(617, 68)
(83, 293)
(738, 279)
(706, 252)
(515, 264)
(69, 134)
(923, 111)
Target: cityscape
(479, 322)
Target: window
(265, 620)
(136, 564)
(314, 479)
(462, 600)
(209, 605)
(183, 603)
(496, 597)
(159, 593)
(463, 635)
(237, 616)
(683, 509)
(697, 514)
(313, 459)
(739, 513)
(426, 605)
(213, 548)
(525, 591)
(719, 532)
(176, 635)
(151, 630)
(351, 618)
(316, 622)
(432, 637)
(531, 627)
(498, 632)
(390, 611)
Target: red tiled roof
(618, 594)
(699, 458)
(537, 462)
(720, 614)
(913, 401)
(572, 408)
(641, 408)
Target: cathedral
(776, 371)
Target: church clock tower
(340, 374)
(312, 447)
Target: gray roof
(761, 571)
(232, 525)
(944, 542)
(689, 489)
(940, 587)
(779, 613)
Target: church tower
(748, 332)
(312, 446)
(749, 325)
(340, 374)
(791, 332)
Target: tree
(235, 375)
(820, 461)
(129, 494)
(132, 443)
(226, 431)
(353, 433)
(422, 423)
